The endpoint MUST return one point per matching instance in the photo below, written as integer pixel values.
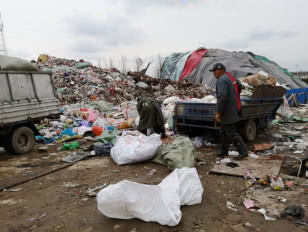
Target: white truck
(25, 99)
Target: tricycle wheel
(249, 130)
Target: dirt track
(44, 204)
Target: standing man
(228, 110)
(151, 116)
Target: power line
(3, 48)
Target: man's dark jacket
(150, 113)
(226, 100)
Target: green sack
(82, 65)
(180, 153)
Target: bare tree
(123, 65)
(160, 61)
(99, 62)
(105, 62)
(139, 63)
(111, 63)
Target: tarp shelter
(179, 66)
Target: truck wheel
(249, 131)
(22, 140)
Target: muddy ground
(46, 204)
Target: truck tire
(249, 131)
(22, 140)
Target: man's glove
(217, 117)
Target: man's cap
(218, 66)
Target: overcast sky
(114, 28)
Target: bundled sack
(180, 153)
(152, 203)
(9, 63)
(259, 79)
(132, 149)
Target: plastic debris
(70, 185)
(267, 218)
(277, 183)
(233, 153)
(282, 199)
(297, 212)
(92, 192)
(77, 156)
(249, 204)
(43, 216)
(103, 149)
(70, 146)
(231, 206)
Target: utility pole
(3, 48)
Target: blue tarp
(300, 94)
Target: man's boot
(163, 134)
(241, 147)
(225, 143)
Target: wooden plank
(259, 168)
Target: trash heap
(99, 103)
(80, 81)
(250, 83)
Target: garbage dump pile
(99, 105)
(79, 81)
(99, 101)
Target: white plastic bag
(171, 100)
(137, 122)
(82, 130)
(208, 99)
(101, 122)
(284, 110)
(132, 149)
(158, 203)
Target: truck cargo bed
(26, 96)
(202, 115)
